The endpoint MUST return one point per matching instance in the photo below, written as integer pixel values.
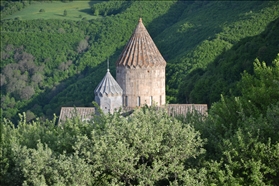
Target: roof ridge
(140, 50)
(108, 86)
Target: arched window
(125, 101)
(138, 101)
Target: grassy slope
(55, 10)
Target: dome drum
(148, 84)
(140, 70)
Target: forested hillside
(223, 53)
(49, 63)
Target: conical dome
(140, 50)
(108, 87)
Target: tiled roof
(183, 109)
(108, 87)
(85, 113)
(140, 51)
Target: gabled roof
(85, 113)
(140, 51)
(108, 87)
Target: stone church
(140, 80)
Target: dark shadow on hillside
(91, 3)
(61, 15)
(113, 10)
(77, 90)
(87, 11)
(195, 27)
(196, 22)
(221, 76)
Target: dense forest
(222, 53)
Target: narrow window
(161, 100)
(138, 101)
(126, 101)
(151, 99)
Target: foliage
(246, 161)
(258, 92)
(246, 131)
(65, 13)
(147, 148)
(10, 7)
(236, 144)
(262, 89)
(110, 8)
(233, 54)
(112, 150)
(207, 44)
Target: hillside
(76, 10)
(49, 63)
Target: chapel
(140, 80)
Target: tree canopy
(236, 144)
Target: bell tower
(140, 71)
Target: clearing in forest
(76, 10)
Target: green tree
(260, 90)
(242, 132)
(65, 13)
(147, 148)
(246, 160)
(95, 11)
(82, 46)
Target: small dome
(108, 87)
(140, 51)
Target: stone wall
(109, 104)
(178, 109)
(142, 86)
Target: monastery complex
(140, 80)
